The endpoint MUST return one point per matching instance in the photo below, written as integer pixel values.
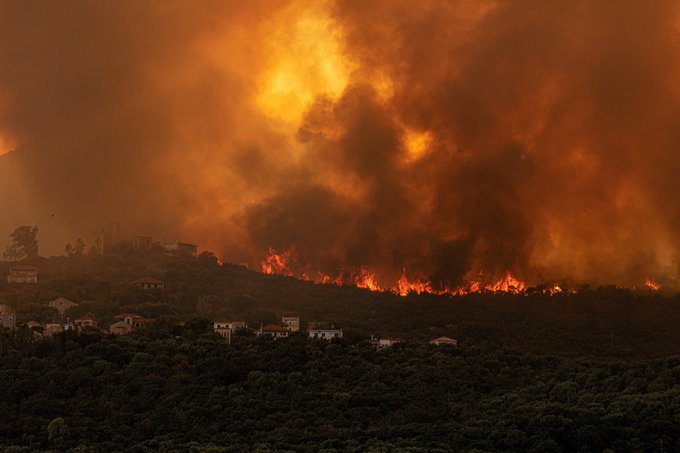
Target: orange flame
(556, 289)
(277, 263)
(651, 284)
(508, 284)
(280, 264)
(366, 279)
(404, 286)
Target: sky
(446, 140)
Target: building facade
(22, 273)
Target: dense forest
(590, 370)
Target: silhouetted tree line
(170, 388)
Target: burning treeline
(430, 143)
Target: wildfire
(366, 279)
(277, 263)
(280, 264)
(557, 289)
(651, 284)
(508, 284)
(404, 286)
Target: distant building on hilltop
(180, 248)
(133, 320)
(142, 242)
(107, 236)
(22, 273)
(274, 331)
(384, 342)
(292, 322)
(61, 304)
(324, 333)
(147, 283)
(227, 328)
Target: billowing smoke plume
(445, 138)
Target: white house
(274, 331)
(384, 342)
(325, 334)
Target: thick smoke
(446, 138)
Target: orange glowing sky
(445, 138)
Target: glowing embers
(651, 284)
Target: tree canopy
(24, 243)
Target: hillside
(601, 322)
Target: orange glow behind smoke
(306, 62)
(391, 145)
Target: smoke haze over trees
(446, 138)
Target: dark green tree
(57, 431)
(76, 249)
(24, 243)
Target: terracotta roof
(274, 328)
(444, 340)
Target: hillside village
(66, 316)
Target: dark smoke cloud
(551, 143)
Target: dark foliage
(595, 370)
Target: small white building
(325, 334)
(231, 325)
(274, 331)
(69, 326)
(384, 342)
